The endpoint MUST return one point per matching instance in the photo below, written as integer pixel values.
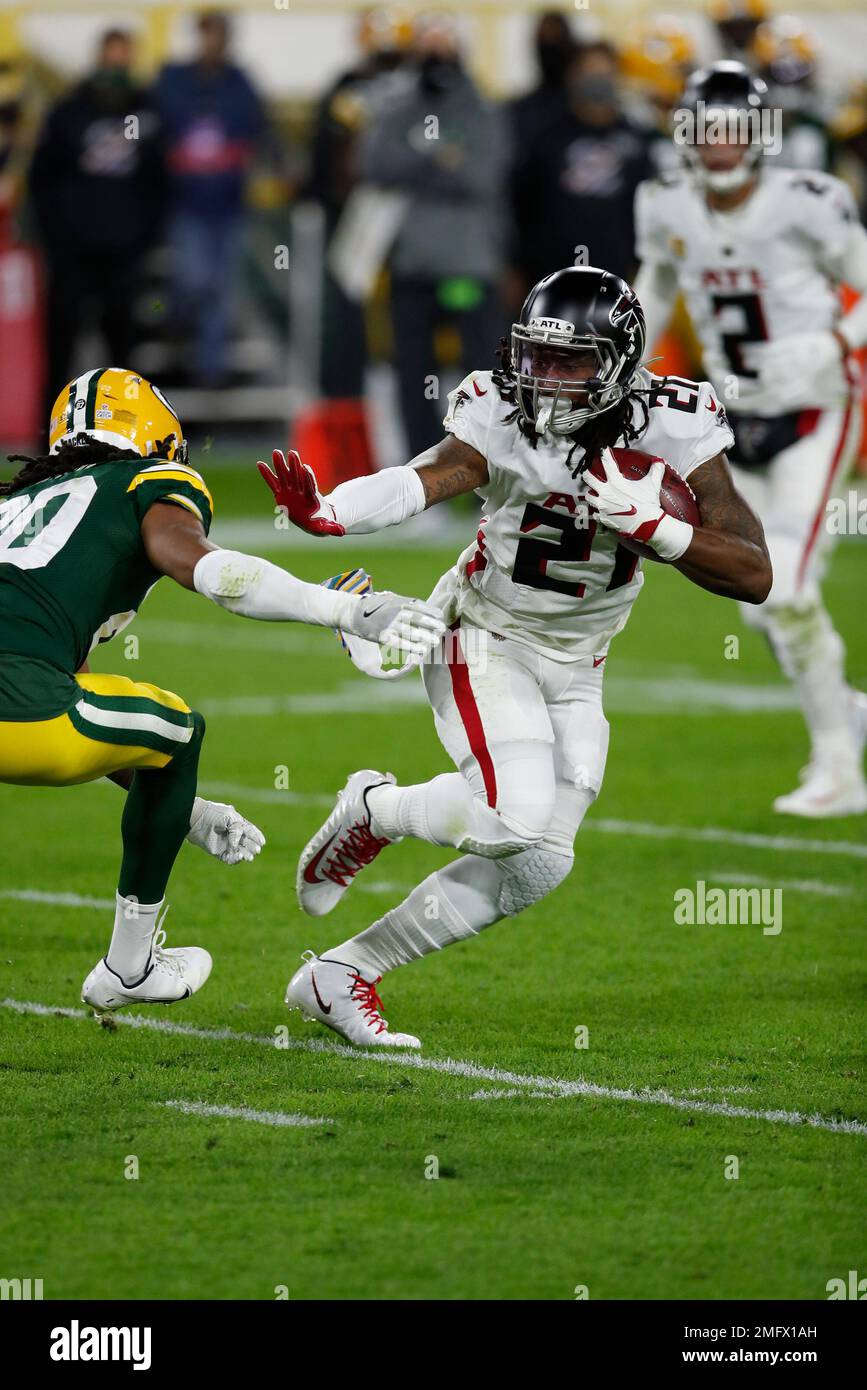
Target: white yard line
(718, 835)
(551, 1086)
(33, 895)
(277, 1118)
(707, 834)
(792, 885)
(268, 796)
(622, 696)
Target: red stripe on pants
(470, 717)
(829, 483)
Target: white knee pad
(525, 799)
(530, 876)
(493, 836)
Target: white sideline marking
(448, 1066)
(242, 1112)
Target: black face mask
(553, 59)
(440, 74)
(111, 88)
(595, 90)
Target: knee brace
(528, 877)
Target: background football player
(85, 533)
(759, 253)
(534, 603)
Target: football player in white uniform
(759, 255)
(534, 603)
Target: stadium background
(704, 1042)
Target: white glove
(789, 366)
(409, 624)
(631, 507)
(223, 832)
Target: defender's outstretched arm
(176, 545)
(378, 500)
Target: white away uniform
(766, 270)
(517, 690)
(538, 599)
(753, 276)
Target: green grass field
(541, 1188)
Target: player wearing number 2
(85, 533)
(759, 254)
(534, 603)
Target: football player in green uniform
(85, 533)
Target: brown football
(675, 494)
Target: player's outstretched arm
(367, 504)
(727, 553)
(176, 545)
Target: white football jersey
(540, 571)
(765, 270)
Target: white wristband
(377, 500)
(672, 538)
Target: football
(675, 494)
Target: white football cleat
(341, 847)
(327, 991)
(826, 791)
(171, 975)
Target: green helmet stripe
(90, 408)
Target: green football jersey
(73, 572)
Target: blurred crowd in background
(159, 221)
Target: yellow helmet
(724, 11)
(386, 29)
(659, 59)
(120, 408)
(783, 50)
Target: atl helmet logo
(626, 317)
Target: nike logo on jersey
(310, 874)
(326, 1008)
(598, 660)
(632, 512)
(477, 391)
(711, 404)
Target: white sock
(450, 905)
(438, 811)
(134, 924)
(811, 653)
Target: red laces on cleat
(358, 848)
(369, 1002)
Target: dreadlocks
(602, 432)
(81, 452)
